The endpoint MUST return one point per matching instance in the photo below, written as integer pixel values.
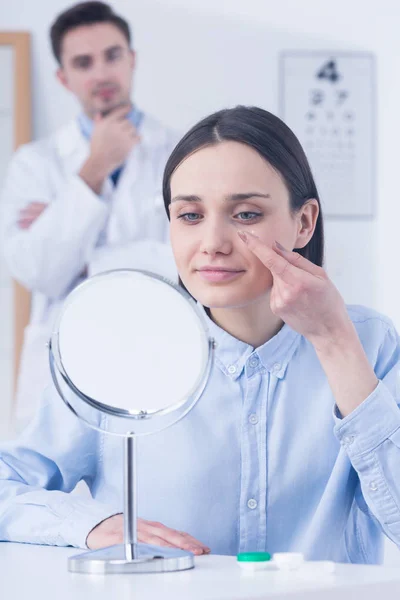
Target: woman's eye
(248, 215)
(191, 217)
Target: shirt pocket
(395, 438)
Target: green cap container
(253, 557)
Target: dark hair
(274, 141)
(85, 13)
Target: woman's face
(216, 192)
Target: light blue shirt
(262, 462)
(86, 125)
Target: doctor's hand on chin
(113, 138)
(111, 531)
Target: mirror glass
(132, 343)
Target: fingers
(110, 531)
(299, 261)
(154, 540)
(127, 129)
(34, 206)
(277, 264)
(30, 213)
(120, 113)
(115, 114)
(281, 262)
(130, 131)
(127, 125)
(182, 540)
(158, 534)
(25, 223)
(191, 542)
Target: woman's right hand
(111, 531)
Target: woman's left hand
(302, 294)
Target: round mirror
(134, 346)
(130, 355)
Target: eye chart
(327, 99)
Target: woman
(294, 444)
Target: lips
(106, 92)
(219, 274)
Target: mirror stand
(131, 557)
(114, 318)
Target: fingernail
(280, 247)
(243, 236)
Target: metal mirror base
(125, 558)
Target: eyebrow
(113, 48)
(78, 57)
(231, 197)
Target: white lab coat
(76, 229)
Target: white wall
(200, 55)
(196, 56)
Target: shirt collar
(233, 355)
(86, 124)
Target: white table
(40, 572)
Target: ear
(62, 78)
(132, 56)
(307, 219)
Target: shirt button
(254, 361)
(348, 439)
(277, 367)
(372, 486)
(252, 503)
(253, 419)
(232, 369)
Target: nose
(100, 71)
(215, 239)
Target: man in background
(91, 188)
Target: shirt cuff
(80, 517)
(370, 424)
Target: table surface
(28, 571)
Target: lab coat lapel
(125, 219)
(72, 147)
